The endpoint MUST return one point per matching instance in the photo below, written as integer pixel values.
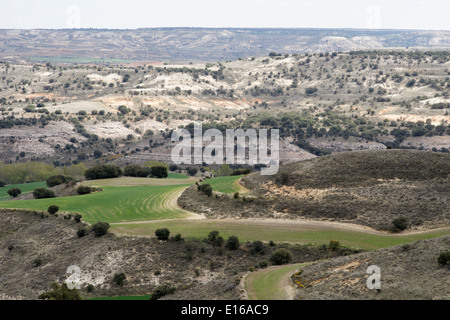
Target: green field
(115, 203)
(25, 187)
(174, 175)
(269, 284)
(144, 297)
(226, 184)
(248, 230)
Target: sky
(132, 14)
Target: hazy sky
(130, 14)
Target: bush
(400, 223)
(205, 189)
(134, 170)
(159, 172)
(103, 172)
(119, 278)
(14, 192)
(280, 256)
(81, 232)
(37, 262)
(178, 237)
(90, 288)
(444, 258)
(100, 228)
(334, 245)
(173, 167)
(84, 190)
(56, 180)
(60, 292)
(162, 291)
(53, 209)
(236, 195)
(257, 247)
(42, 193)
(192, 171)
(162, 234)
(232, 243)
(2, 184)
(77, 217)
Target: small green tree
(83, 190)
(100, 228)
(162, 291)
(444, 258)
(119, 279)
(42, 193)
(205, 188)
(77, 217)
(232, 243)
(14, 192)
(280, 256)
(60, 292)
(162, 234)
(53, 209)
(400, 223)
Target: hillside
(321, 103)
(36, 249)
(369, 188)
(407, 272)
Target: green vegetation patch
(25, 187)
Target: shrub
(119, 278)
(263, 264)
(162, 234)
(214, 239)
(37, 262)
(178, 237)
(232, 243)
(444, 258)
(284, 178)
(205, 189)
(14, 192)
(84, 190)
(280, 256)
(56, 180)
(2, 184)
(236, 195)
(60, 292)
(81, 232)
(162, 291)
(192, 171)
(53, 209)
(334, 245)
(90, 288)
(42, 193)
(159, 172)
(103, 172)
(400, 223)
(173, 167)
(134, 170)
(257, 247)
(77, 217)
(100, 228)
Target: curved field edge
(272, 283)
(229, 184)
(249, 230)
(115, 203)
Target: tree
(119, 278)
(444, 258)
(134, 170)
(84, 190)
(192, 171)
(232, 243)
(100, 228)
(400, 223)
(14, 192)
(103, 172)
(162, 291)
(159, 172)
(53, 209)
(162, 234)
(205, 188)
(281, 256)
(60, 292)
(42, 193)
(2, 184)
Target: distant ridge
(207, 44)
